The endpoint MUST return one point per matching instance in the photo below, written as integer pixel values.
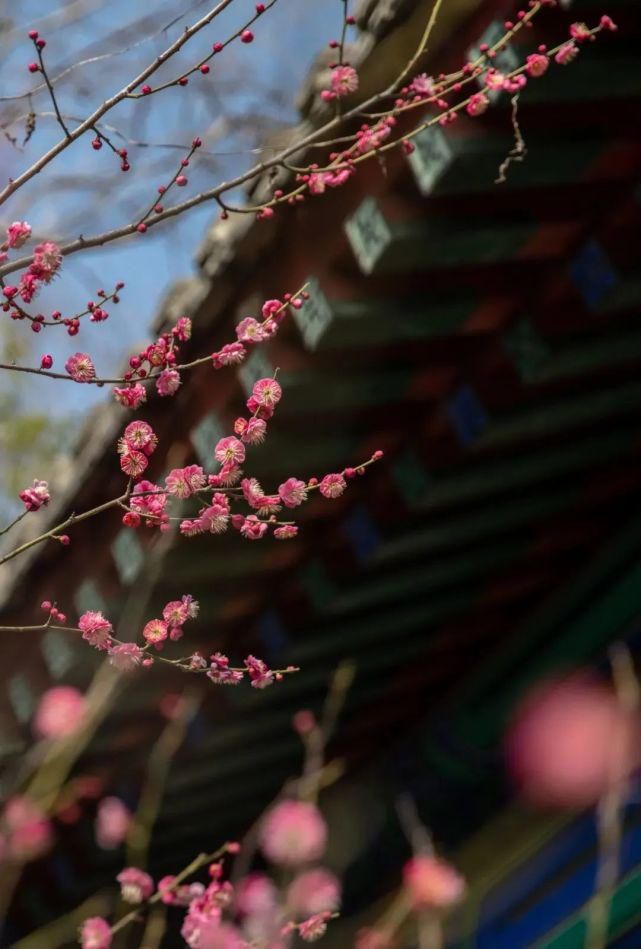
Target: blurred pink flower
(570, 742)
(28, 829)
(431, 882)
(59, 712)
(256, 895)
(292, 833)
(112, 822)
(95, 933)
(312, 892)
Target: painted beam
(486, 479)
(351, 324)
(446, 164)
(384, 246)
(567, 414)
(483, 713)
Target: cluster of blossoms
(255, 913)
(43, 267)
(136, 446)
(27, 832)
(250, 331)
(148, 501)
(424, 90)
(98, 632)
(219, 670)
(174, 616)
(157, 360)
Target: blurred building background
(486, 337)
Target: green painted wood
(236, 731)
(410, 477)
(374, 667)
(381, 322)
(404, 584)
(391, 625)
(398, 247)
(624, 913)
(579, 359)
(87, 596)
(504, 678)
(22, 696)
(558, 416)
(528, 351)
(317, 583)
(626, 294)
(238, 761)
(591, 78)
(59, 654)
(445, 165)
(448, 767)
(326, 451)
(489, 479)
(314, 392)
(434, 154)
(474, 526)
(210, 558)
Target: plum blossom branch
(93, 310)
(365, 146)
(243, 33)
(200, 861)
(84, 372)
(217, 192)
(54, 532)
(14, 522)
(144, 501)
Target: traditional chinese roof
(487, 338)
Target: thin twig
(215, 193)
(518, 151)
(109, 104)
(43, 70)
